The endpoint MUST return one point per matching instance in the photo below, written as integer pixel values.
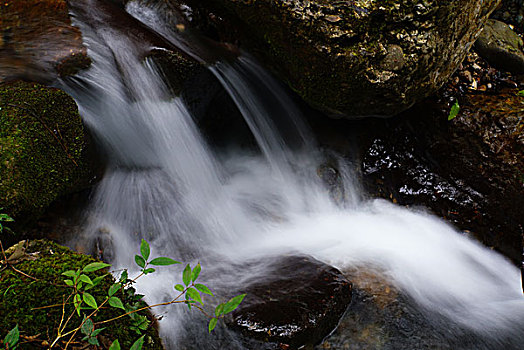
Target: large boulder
(358, 58)
(43, 149)
(38, 42)
(297, 301)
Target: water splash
(165, 184)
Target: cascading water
(165, 184)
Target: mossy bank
(23, 300)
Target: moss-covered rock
(358, 58)
(43, 149)
(501, 47)
(38, 42)
(24, 299)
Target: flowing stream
(192, 203)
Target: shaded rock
(44, 149)
(38, 42)
(297, 301)
(357, 58)
(26, 301)
(511, 12)
(468, 170)
(501, 47)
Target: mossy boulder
(501, 47)
(44, 151)
(35, 303)
(38, 42)
(358, 58)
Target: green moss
(42, 144)
(19, 295)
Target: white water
(164, 184)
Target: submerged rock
(297, 301)
(501, 47)
(43, 149)
(358, 58)
(38, 42)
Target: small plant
(120, 296)
(454, 110)
(4, 218)
(12, 338)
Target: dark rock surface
(357, 58)
(511, 12)
(501, 47)
(38, 42)
(296, 301)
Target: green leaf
(123, 276)
(6, 218)
(97, 331)
(196, 272)
(140, 261)
(150, 270)
(212, 324)
(180, 287)
(193, 294)
(77, 301)
(89, 300)
(69, 273)
(163, 261)
(116, 302)
(70, 283)
(233, 303)
(219, 310)
(145, 250)
(12, 338)
(88, 327)
(93, 341)
(113, 289)
(95, 266)
(521, 93)
(96, 281)
(85, 279)
(138, 344)
(186, 275)
(203, 289)
(115, 345)
(454, 111)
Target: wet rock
(45, 150)
(357, 58)
(501, 47)
(38, 42)
(297, 301)
(382, 317)
(467, 170)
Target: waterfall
(165, 184)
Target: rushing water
(165, 184)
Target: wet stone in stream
(297, 302)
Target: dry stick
(11, 266)
(47, 128)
